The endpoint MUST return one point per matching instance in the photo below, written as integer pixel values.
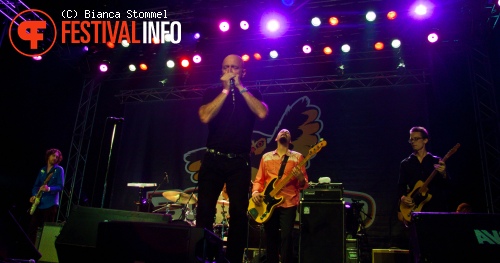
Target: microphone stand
(152, 194)
(107, 168)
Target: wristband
(225, 91)
(254, 192)
(243, 90)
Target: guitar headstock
(452, 150)
(316, 148)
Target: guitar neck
(287, 178)
(434, 172)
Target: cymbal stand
(150, 197)
(224, 221)
(185, 207)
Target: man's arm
(258, 107)
(208, 111)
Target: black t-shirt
(230, 131)
(411, 171)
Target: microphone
(116, 118)
(231, 84)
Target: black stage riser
(455, 237)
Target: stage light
(156, 40)
(132, 67)
(244, 25)
(370, 16)
(273, 54)
(401, 65)
(432, 37)
(125, 43)
(103, 67)
(420, 10)
(287, 2)
(327, 50)
(245, 58)
(340, 69)
(333, 21)
(196, 59)
(345, 48)
(170, 63)
(379, 46)
(196, 36)
(143, 66)
(85, 48)
(224, 26)
(257, 56)
(396, 43)
(110, 44)
(37, 58)
(306, 49)
(316, 21)
(185, 63)
(392, 15)
(273, 25)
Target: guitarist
(280, 243)
(46, 210)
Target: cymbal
(223, 202)
(180, 197)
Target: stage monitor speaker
(455, 237)
(322, 235)
(130, 242)
(14, 243)
(46, 245)
(78, 237)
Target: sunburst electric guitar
(262, 212)
(39, 195)
(420, 194)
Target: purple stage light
(103, 67)
(224, 26)
(432, 37)
(273, 24)
(421, 9)
(244, 25)
(196, 36)
(197, 59)
(306, 49)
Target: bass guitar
(262, 212)
(39, 195)
(420, 194)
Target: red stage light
(379, 46)
(327, 50)
(143, 66)
(333, 21)
(392, 15)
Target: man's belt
(228, 155)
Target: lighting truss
(287, 85)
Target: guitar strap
(282, 168)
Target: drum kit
(182, 201)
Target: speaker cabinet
(78, 237)
(46, 245)
(455, 237)
(157, 242)
(14, 243)
(322, 237)
(390, 255)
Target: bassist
(417, 167)
(283, 216)
(46, 209)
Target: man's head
(418, 137)
(54, 156)
(233, 64)
(284, 137)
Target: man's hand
(441, 168)
(407, 201)
(32, 199)
(226, 80)
(44, 188)
(257, 198)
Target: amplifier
(323, 192)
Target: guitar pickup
(253, 213)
